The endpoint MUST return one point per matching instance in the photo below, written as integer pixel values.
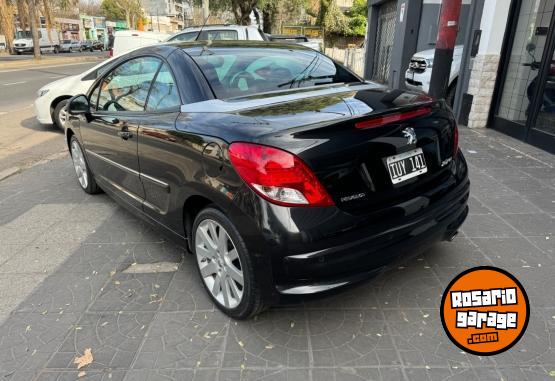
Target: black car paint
(182, 164)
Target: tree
(128, 10)
(111, 11)
(34, 23)
(242, 10)
(271, 9)
(7, 10)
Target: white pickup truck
(419, 73)
(48, 42)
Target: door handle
(124, 134)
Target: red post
(446, 38)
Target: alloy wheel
(219, 263)
(62, 117)
(79, 164)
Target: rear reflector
(392, 118)
(278, 176)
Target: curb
(31, 63)
(16, 170)
(9, 172)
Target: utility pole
(446, 38)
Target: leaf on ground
(552, 373)
(84, 360)
(81, 374)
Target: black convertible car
(283, 171)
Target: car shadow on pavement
(33, 124)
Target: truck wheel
(56, 50)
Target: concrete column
(485, 65)
(406, 40)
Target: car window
(126, 87)
(93, 100)
(190, 36)
(225, 34)
(163, 94)
(255, 70)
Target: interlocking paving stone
(132, 292)
(113, 337)
(184, 340)
(164, 326)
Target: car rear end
(330, 177)
(393, 182)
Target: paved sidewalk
(63, 289)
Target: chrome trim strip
(160, 183)
(123, 167)
(223, 106)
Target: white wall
(493, 25)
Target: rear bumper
(350, 262)
(312, 250)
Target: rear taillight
(455, 140)
(278, 176)
(111, 52)
(391, 118)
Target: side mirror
(79, 105)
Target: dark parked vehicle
(91, 45)
(97, 45)
(282, 171)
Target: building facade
(507, 76)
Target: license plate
(406, 165)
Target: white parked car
(219, 32)
(53, 97)
(419, 73)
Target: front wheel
(82, 170)
(60, 114)
(225, 265)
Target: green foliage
(334, 21)
(359, 8)
(357, 25)
(111, 10)
(351, 24)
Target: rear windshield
(236, 72)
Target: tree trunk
(242, 10)
(34, 23)
(269, 17)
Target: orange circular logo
(485, 310)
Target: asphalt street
(23, 140)
(18, 87)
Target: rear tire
(81, 166)
(225, 261)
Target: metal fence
(352, 58)
(387, 15)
